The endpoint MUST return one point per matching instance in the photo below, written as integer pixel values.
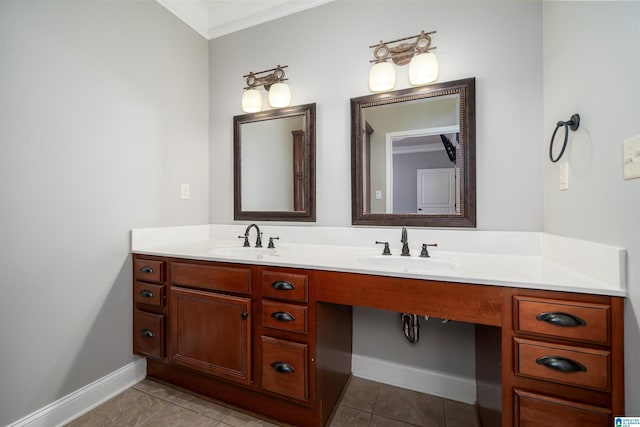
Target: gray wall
(103, 114)
(591, 67)
(329, 64)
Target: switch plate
(564, 176)
(632, 158)
(185, 192)
(378, 195)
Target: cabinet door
(211, 332)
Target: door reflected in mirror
(413, 156)
(274, 165)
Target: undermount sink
(417, 264)
(239, 252)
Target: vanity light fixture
(273, 82)
(423, 65)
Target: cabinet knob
(283, 367)
(147, 333)
(282, 285)
(146, 269)
(147, 293)
(283, 316)
(561, 319)
(561, 364)
(244, 315)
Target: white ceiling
(215, 18)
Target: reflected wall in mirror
(413, 156)
(274, 164)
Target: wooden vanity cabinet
(565, 361)
(277, 341)
(149, 307)
(245, 335)
(284, 340)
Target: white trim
(86, 398)
(448, 386)
(194, 13)
(390, 151)
(237, 16)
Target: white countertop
(515, 259)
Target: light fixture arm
(402, 53)
(276, 75)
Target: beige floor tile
(409, 406)
(361, 394)
(177, 416)
(185, 400)
(130, 408)
(458, 414)
(238, 419)
(350, 417)
(364, 404)
(378, 421)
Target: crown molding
(215, 19)
(194, 13)
(238, 18)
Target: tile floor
(365, 403)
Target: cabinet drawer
(531, 408)
(148, 334)
(565, 319)
(230, 279)
(285, 286)
(578, 366)
(148, 270)
(148, 293)
(284, 368)
(286, 317)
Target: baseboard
(425, 381)
(88, 397)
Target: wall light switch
(378, 195)
(564, 176)
(632, 158)
(185, 192)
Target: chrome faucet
(246, 236)
(405, 243)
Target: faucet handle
(424, 253)
(246, 240)
(271, 245)
(386, 250)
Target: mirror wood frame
(465, 88)
(308, 213)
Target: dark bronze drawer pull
(244, 315)
(283, 316)
(147, 333)
(561, 319)
(147, 293)
(283, 367)
(561, 364)
(282, 285)
(146, 269)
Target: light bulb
(251, 101)
(279, 95)
(423, 69)
(382, 77)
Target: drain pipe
(410, 327)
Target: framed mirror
(274, 164)
(413, 156)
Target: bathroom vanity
(266, 331)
